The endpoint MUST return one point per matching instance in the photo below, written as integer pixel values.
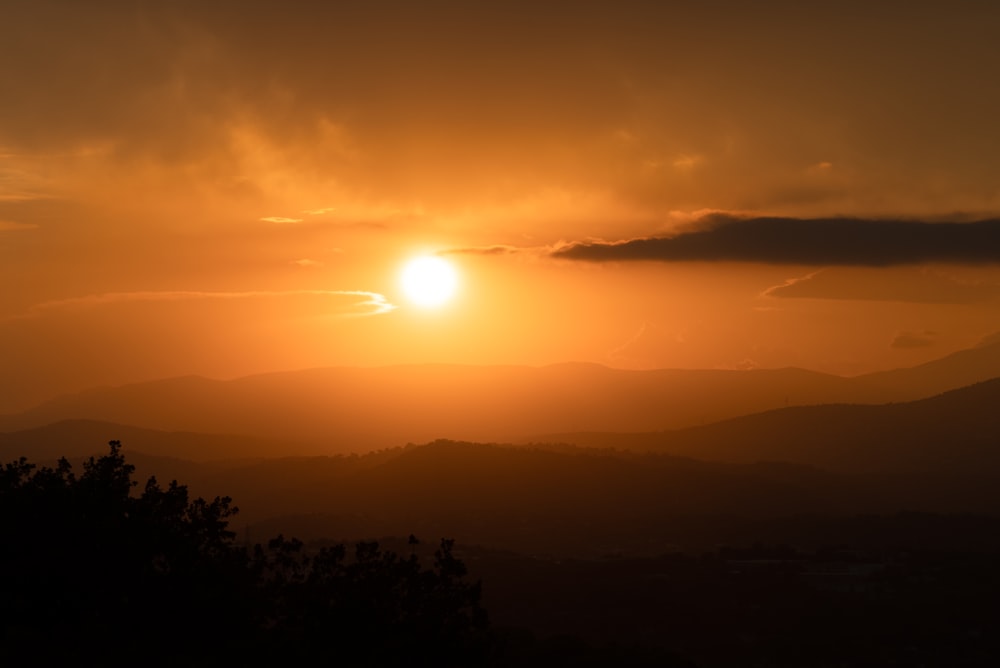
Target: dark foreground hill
(568, 501)
(937, 455)
(105, 575)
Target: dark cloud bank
(819, 241)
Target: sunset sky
(225, 188)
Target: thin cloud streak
(10, 226)
(903, 285)
(498, 249)
(803, 241)
(281, 220)
(377, 302)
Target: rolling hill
(357, 409)
(956, 431)
(556, 501)
(82, 438)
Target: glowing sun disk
(429, 280)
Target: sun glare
(429, 280)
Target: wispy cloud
(306, 262)
(360, 303)
(361, 220)
(906, 284)
(23, 196)
(790, 287)
(9, 226)
(497, 249)
(805, 241)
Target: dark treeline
(98, 575)
(100, 571)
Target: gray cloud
(804, 241)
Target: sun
(429, 280)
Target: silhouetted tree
(95, 572)
(385, 609)
(108, 572)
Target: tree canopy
(98, 570)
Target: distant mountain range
(932, 455)
(955, 432)
(359, 409)
(82, 438)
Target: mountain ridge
(955, 430)
(75, 438)
(344, 409)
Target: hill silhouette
(105, 574)
(340, 406)
(561, 500)
(633, 485)
(955, 432)
(345, 409)
(961, 368)
(81, 438)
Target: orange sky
(231, 189)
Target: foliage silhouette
(389, 606)
(99, 573)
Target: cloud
(498, 249)
(805, 241)
(687, 162)
(820, 168)
(9, 225)
(907, 340)
(792, 287)
(371, 303)
(306, 262)
(644, 348)
(20, 197)
(168, 81)
(358, 217)
(908, 284)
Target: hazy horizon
(26, 401)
